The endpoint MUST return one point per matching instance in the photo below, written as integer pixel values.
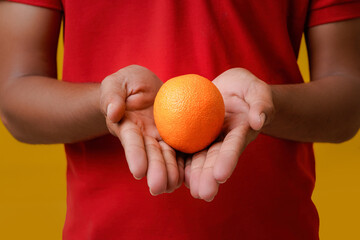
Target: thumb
(112, 100)
(261, 107)
(115, 110)
(258, 117)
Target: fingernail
(152, 193)
(262, 119)
(209, 200)
(136, 177)
(109, 109)
(221, 182)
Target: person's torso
(269, 194)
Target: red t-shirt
(269, 194)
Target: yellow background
(33, 186)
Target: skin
(127, 99)
(29, 91)
(248, 105)
(327, 109)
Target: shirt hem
(334, 13)
(38, 3)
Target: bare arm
(34, 106)
(37, 108)
(328, 108)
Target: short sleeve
(326, 11)
(52, 4)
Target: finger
(187, 171)
(197, 164)
(169, 156)
(132, 141)
(231, 148)
(112, 97)
(208, 186)
(112, 127)
(156, 174)
(259, 98)
(181, 167)
(256, 93)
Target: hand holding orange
(189, 112)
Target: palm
(131, 119)
(143, 118)
(245, 99)
(236, 113)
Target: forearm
(325, 110)
(43, 110)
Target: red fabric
(269, 194)
(52, 4)
(324, 11)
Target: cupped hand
(127, 98)
(248, 107)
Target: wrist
(93, 96)
(276, 111)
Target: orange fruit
(189, 112)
